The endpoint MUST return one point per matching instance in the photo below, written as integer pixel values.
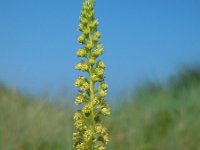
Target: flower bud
(81, 27)
(97, 34)
(84, 87)
(77, 116)
(101, 64)
(81, 39)
(77, 82)
(95, 100)
(79, 99)
(93, 25)
(105, 111)
(84, 67)
(97, 52)
(100, 129)
(78, 120)
(80, 81)
(94, 78)
(88, 134)
(86, 32)
(83, 20)
(90, 15)
(99, 46)
(78, 66)
(81, 53)
(96, 22)
(92, 61)
(95, 39)
(86, 110)
(83, 13)
(99, 72)
(89, 45)
(76, 135)
(104, 86)
(102, 93)
(105, 139)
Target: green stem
(91, 93)
(91, 119)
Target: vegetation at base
(29, 124)
(156, 117)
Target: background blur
(152, 53)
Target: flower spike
(90, 134)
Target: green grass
(156, 117)
(158, 121)
(26, 124)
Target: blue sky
(142, 39)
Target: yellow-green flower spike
(90, 134)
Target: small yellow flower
(81, 39)
(84, 86)
(101, 64)
(98, 52)
(79, 99)
(78, 66)
(104, 86)
(105, 111)
(90, 15)
(105, 138)
(99, 72)
(88, 134)
(81, 53)
(100, 129)
(96, 36)
(77, 82)
(86, 32)
(83, 21)
(95, 101)
(89, 45)
(91, 61)
(82, 66)
(81, 27)
(94, 78)
(102, 93)
(77, 116)
(99, 46)
(93, 25)
(78, 123)
(86, 109)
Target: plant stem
(92, 123)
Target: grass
(156, 117)
(26, 124)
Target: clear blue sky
(142, 38)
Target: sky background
(143, 39)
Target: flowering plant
(90, 134)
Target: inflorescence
(90, 134)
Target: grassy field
(156, 117)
